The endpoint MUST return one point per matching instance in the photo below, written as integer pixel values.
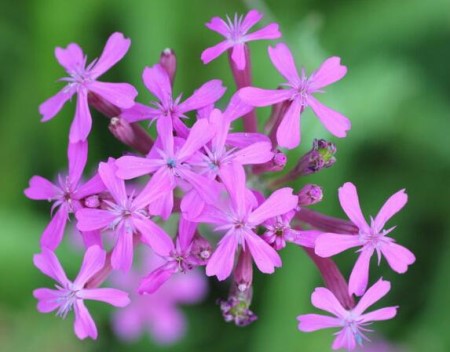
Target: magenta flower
(371, 238)
(71, 295)
(66, 196)
(235, 33)
(158, 314)
(352, 322)
(169, 110)
(298, 95)
(188, 252)
(126, 216)
(239, 215)
(83, 80)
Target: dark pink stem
(333, 278)
(325, 222)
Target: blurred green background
(396, 93)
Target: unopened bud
(103, 106)
(277, 163)
(309, 195)
(92, 201)
(201, 250)
(131, 135)
(168, 61)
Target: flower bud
(168, 61)
(309, 195)
(131, 135)
(92, 201)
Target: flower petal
(266, 258)
(122, 254)
(82, 123)
(41, 189)
(84, 325)
(392, 206)
(200, 134)
(238, 55)
(154, 236)
(94, 219)
(251, 18)
(121, 95)
(47, 299)
(360, 274)
(329, 244)
(215, 51)
(54, 232)
(288, 132)
(71, 58)
(115, 185)
(116, 298)
(77, 156)
(278, 203)
(329, 72)
(324, 299)
(348, 197)
(314, 322)
(270, 31)
(49, 108)
(207, 94)
(380, 314)
(398, 257)
(256, 153)
(344, 339)
(48, 263)
(158, 83)
(282, 59)
(115, 49)
(153, 281)
(263, 97)
(221, 261)
(372, 295)
(336, 123)
(129, 167)
(93, 262)
(218, 25)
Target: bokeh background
(396, 92)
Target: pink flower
(298, 95)
(235, 33)
(126, 216)
(239, 215)
(83, 80)
(371, 238)
(352, 322)
(168, 110)
(158, 314)
(71, 295)
(66, 195)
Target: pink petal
(186, 231)
(54, 232)
(244, 139)
(170, 326)
(329, 244)
(200, 133)
(48, 263)
(238, 55)
(49, 108)
(129, 167)
(222, 260)
(115, 185)
(139, 112)
(41, 189)
(250, 19)
(314, 322)
(121, 95)
(116, 298)
(207, 94)
(306, 238)
(215, 51)
(127, 323)
(398, 257)
(221, 127)
(218, 25)
(336, 123)
(266, 258)
(71, 58)
(256, 153)
(152, 282)
(93, 186)
(160, 186)
(263, 97)
(348, 197)
(282, 59)
(84, 325)
(82, 123)
(279, 202)
(372, 295)
(93, 261)
(324, 299)
(154, 236)
(77, 155)
(392, 206)
(270, 31)
(158, 83)
(162, 206)
(211, 215)
(344, 339)
(329, 72)
(92, 238)
(47, 299)
(288, 133)
(360, 274)
(233, 177)
(122, 255)
(380, 314)
(192, 205)
(209, 190)
(236, 108)
(115, 49)
(94, 219)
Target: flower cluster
(200, 171)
